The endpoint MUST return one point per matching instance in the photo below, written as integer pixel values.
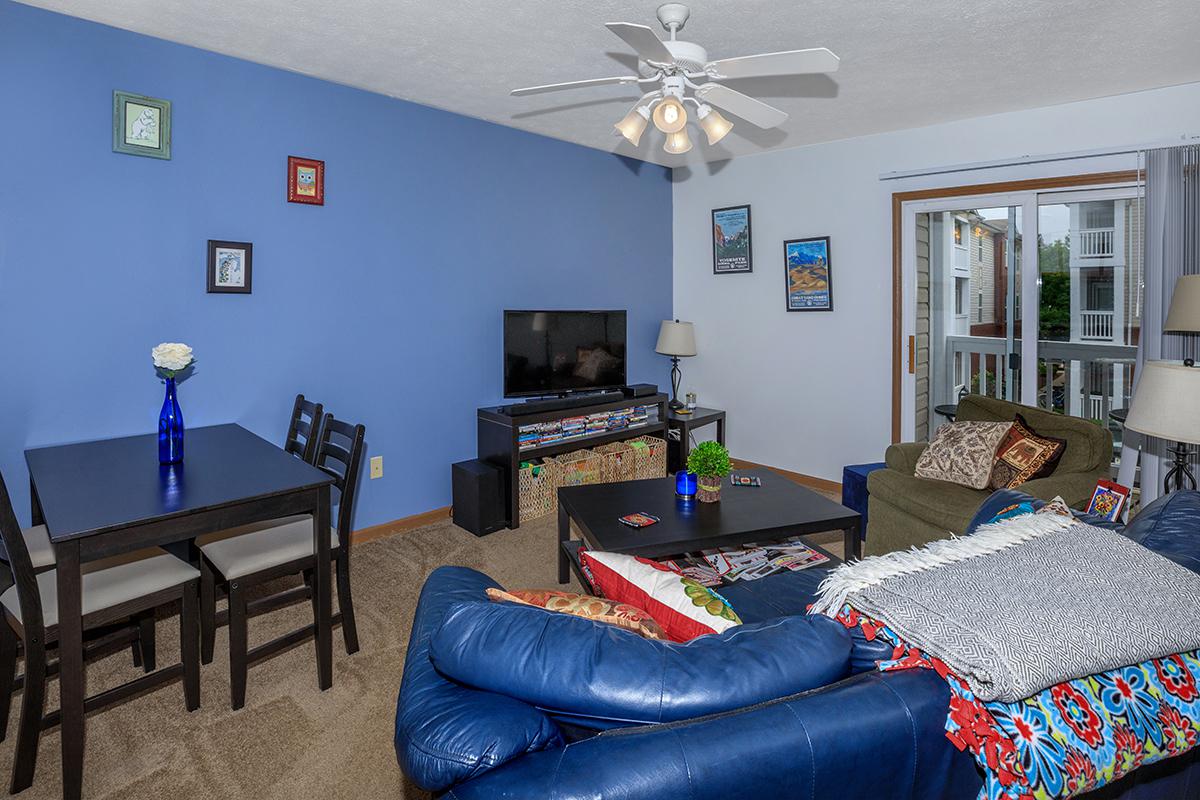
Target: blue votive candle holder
(685, 485)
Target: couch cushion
(447, 733)
(1170, 526)
(599, 675)
(1004, 499)
(945, 505)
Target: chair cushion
(110, 582)
(963, 453)
(41, 552)
(946, 506)
(599, 676)
(247, 549)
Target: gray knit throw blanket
(1026, 603)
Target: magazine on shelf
(753, 561)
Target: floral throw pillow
(963, 453)
(1024, 455)
(598, 609)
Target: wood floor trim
(798, 477)
(402, 525)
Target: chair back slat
(303, 436)
(16, 556)
(342, 462)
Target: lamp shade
(676, 339)
(1184, 316)
(1166, 404)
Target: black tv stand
(499, 428)
(562, 401)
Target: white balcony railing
(1096, 242)
(1096, 326)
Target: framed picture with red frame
(306, 181)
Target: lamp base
(1180, 475)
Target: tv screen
(554, 352)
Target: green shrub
(709, 459)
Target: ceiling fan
(675, 67)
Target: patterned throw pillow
(1024, 455)
(1057, 506)
(597, 609)
(963, 453)
(683, 607)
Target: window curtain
(1172, 248)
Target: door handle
(912, 355)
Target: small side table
(684, 424)
(947, 410)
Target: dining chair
(308, 428)
(244, 557)
(113, 589)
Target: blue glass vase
(170, 428)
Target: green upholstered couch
(907, 511)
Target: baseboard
(402, 525)
(800, 478)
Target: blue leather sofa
(855, 733)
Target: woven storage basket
(538, 488)
(649, 461)
(618, 462)
(578, 468)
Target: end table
(683, 425)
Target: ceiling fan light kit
(677, 67)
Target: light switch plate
(376, 467)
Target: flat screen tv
(558, 352)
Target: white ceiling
(905, 63)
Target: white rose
(172, 356)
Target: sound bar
(560, 403)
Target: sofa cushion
(684, 607)
(1002, 500)
(947, 506)
(598, 675)
(1170, 526)
(610, 612)
(447, 733)
(963, 453)
(1025, 455)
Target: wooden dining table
(103, 498)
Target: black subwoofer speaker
(478, 497)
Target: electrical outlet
(376, 467)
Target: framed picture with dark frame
(306, 181)
(731, 240)
(808, 274)
(230, 267)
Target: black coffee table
(778, 509)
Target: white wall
(811, 391)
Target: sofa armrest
(903, 457)
(1074, 487)
(874, 735)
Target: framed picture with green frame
(141, 125)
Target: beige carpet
(291, 740)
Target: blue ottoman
(854, 489)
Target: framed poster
(808, 274)
(306, 181)
(230, 266)
(141, 125)
(731, 240)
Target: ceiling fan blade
(644, 42)
(789, 62)
(753, 111)
(555, 87)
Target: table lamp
(677, 340)
(1184, 316)
(1166, 406)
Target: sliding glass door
(1033, 297)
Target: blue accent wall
(385, 304)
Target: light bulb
(678, 142)
(634, 124)
(670, 116)
(715, 126)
